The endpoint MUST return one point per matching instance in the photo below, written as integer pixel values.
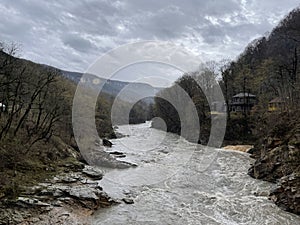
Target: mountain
(114, 87)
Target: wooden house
(242, 102)
(277, 104)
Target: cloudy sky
(72, 34)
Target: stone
(58, 193)
(165, 151)
(57, 203)
(118, 154)
(128, 200)
(31, 201)
(35, 220)
(83, 193)
(69, 179)
(106, 143)
(119, 135)
(93, 172)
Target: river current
(177, 182)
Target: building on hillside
(242, 102)
(277, 104)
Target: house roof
(276, 100)
(241, 95)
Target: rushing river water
(174, 184)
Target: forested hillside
(269, 66)
(35, 121)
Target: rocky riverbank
(278, 160)
(68, 198)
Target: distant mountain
(114, 87)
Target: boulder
(128, 200)
(120, 135)
(106, 143)
(83, 193)
(93, 172)
(118, 154)
(165, 151)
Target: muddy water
(177, 182)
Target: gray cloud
(77, 43)
(71, 34)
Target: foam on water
(171, 186)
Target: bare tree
(34, 103)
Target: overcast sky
(72, 34)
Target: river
(177, 182)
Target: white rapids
(173, 184)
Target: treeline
(175, 108)
(139, 112)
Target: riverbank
(67, 191)
(277, 158)
(68, 198)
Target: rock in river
(106, 143)
(128, 200)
